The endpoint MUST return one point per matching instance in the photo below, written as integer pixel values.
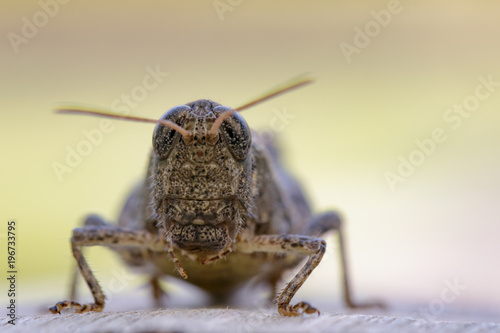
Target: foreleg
(104, 236)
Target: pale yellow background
(349, 129)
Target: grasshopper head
(202, 176)
(205, 123)
(201, 173)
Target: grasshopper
(216, 208)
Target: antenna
(283, 88)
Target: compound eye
(164, 137)
(236, 133)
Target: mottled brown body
(217, 209)
(209, 186)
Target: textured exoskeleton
(214, 192)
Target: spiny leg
(74, 283)
(289, 244)
(104, 236)
(92, 283)
(332, 221)
(90, 221)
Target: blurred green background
(347, 131)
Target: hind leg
(331, 221)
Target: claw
(79, 307)
(54, 310)
(297, 309)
